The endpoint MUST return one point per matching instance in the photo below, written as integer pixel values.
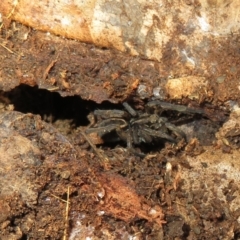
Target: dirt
(55, 183)
(73, 68)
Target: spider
(136, 127)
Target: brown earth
(56, 184)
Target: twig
(15, 3)
(51, 89)
(6, 48)
(104, 161)
(49, 67)
(66, 216)
(59, 198)
(66, 212)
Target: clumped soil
(111, 190)
(56, 183)
(73, 68)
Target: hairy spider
(136, 127)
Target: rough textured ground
(73, 68)
(183, 191)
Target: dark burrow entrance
(69, 113)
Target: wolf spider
(137, 127)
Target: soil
(56, 184)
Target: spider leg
(105, 114)
(129, 139)
(130, 109)
(113, 121)
(174, 107)
(144, 136)
(139, 154)
(134, 134)
(158, 134)
(107, 126)
(101, 131)
(176, 130)
(122, 134)
(145, 119)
